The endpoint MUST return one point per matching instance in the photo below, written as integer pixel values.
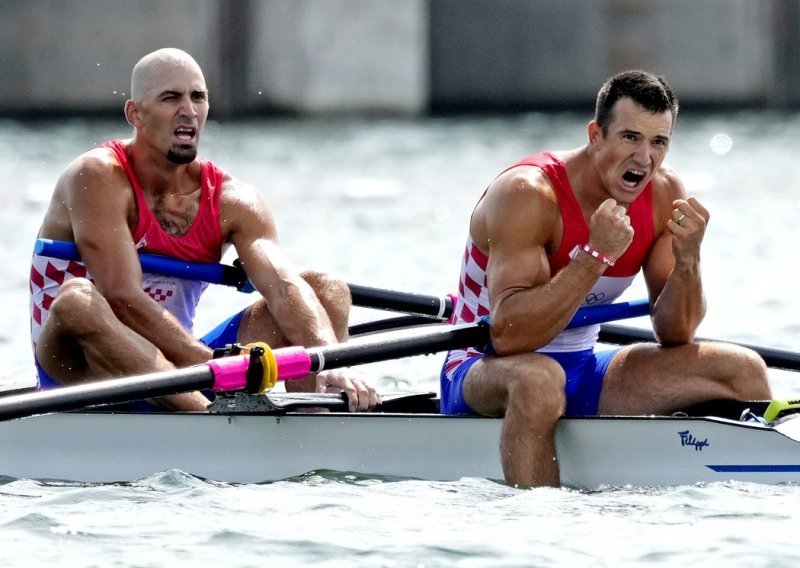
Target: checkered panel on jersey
(473, 295)
(159, 294)
(46, 276)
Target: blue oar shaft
(214, 273)
(435, 307)
(609, 312)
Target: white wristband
(596, 254)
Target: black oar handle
(429, 341)
(776, 358)
(382, 299)
(111, 391)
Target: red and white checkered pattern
(473, 299)
(159, 294)
(47, 275)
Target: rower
(561, 230)
(102, 317)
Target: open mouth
(185, 133)
(632, 178)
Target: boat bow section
(600, 452)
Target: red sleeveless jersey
(203, 241)
(473, 294)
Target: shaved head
(154, 70)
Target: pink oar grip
(230, 373)
(293, 363)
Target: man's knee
(529, 385)
(747, 370)
(334, 296)
(539, 386)
(325, 286)
(76, 298)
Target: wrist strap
(596, 254)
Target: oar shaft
(426, 341)
(230, 373)
(591, 315)
(776, 358)
(213, 273)
(217, 273)
(386, 324)
(584, 316)
(431, 341)
(433, 306)
(111, 391)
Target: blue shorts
(220, 336)
(584, 369)
(225, 333)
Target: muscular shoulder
(97, 165)
(242, 207)
(92, 186)
(667, 187)
(667, 183)
(521, 199)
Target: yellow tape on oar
(269, 366)
(780, 408)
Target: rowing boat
(256, 438)
(253, 438)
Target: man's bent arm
(528, 307)
(292, 301)
(674, 278)
(98, 211)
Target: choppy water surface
(385, 203)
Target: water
(385, 203)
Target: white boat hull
(252, 448)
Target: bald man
(103, 317)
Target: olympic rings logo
(594, 298)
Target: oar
(244, 371)
(210, 272)
(231, 373)
(386, 324)
(776, 358)
(217, 273)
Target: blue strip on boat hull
(755, 468)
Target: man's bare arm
(99, 206)
(517, 221)
(291, 300)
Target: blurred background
(399, 56)
(371, 128)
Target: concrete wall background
(77, 55)
(349, 55)
(399, 56)
(536, 52)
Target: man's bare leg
(82, 341)
(647, 378)
(529, 391)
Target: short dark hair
(651, 92)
